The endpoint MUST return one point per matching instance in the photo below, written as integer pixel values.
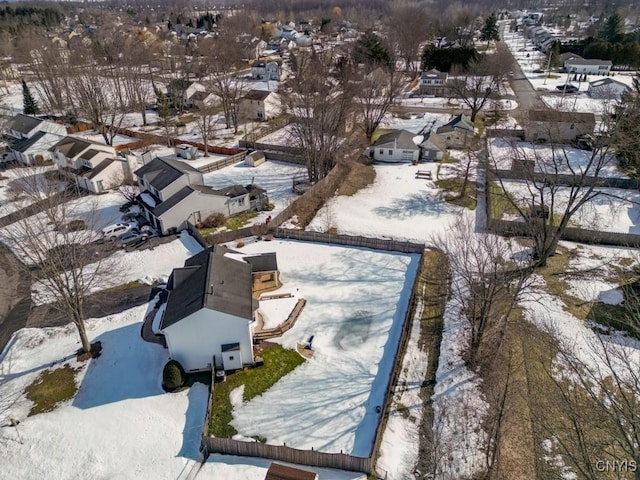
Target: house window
(230, 358)
(381, 152)
(390, 152)
(99, 186)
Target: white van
(115, 231)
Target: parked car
(132, 238)
(538, 70)
(568, 88)
(115, 231)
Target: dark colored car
(538, 70)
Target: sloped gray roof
(24, 123)
(558, 116)
(587, 61)
(461, 122)
(162, 172)
(89, 154)
(231, 191)
(71, 146)
(218, 283)
(432, 139)
(399, 138)
(99, 168)
(257, 95)
(24, 144)
(262, 262)
(173, 200)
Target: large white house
(209, 312)
(588, 66)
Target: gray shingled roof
(70, 146)
(398, 138)
(262, 262)
(587, 61)
(173, 200)
(558, 116)
(218, 283)
(257, 95)
(99, 168)
(231, 191)
(24, 123)
(461, 122)
(162, 172)
(24, 144)
(89, 154)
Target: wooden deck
(260, 333)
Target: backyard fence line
(564, 179)
(264, 130)
(341, 461)
(195, 233)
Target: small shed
(282, 472)
(255, 159)
(231, 356)
(186, 151)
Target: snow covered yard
(397, 206)
(97, 211)
(356, 303)
(614, 210)
(502, 152)
(275, 177)
(415, 121)
(219, 467)
(120, 424)
(31, 177)
(145, 266)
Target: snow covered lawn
(356, 303)
(567, 158)
(416, 121)
(31, 176)
(120, 424)
(397, 206)
(275, 177)
(145, 266)
(97, 211)
(615, 210)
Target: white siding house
(209, 312)
(588, 66)
(36, 149)
(395, 147)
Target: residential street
(526, 95)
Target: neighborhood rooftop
(159, 175)
(558, 116)
(24, 123)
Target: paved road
(527, 96)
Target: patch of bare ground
(434, 283)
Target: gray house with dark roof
(209, 311)
(23, 126)
(173, 193)
(458, 132)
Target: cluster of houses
(172, 192)
(399, 146)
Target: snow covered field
(97, 210)
(7, 203)
(416, 122)
(615, 210)
(356, 303)
(145, 266)
(568, 159)
(120, 424)
(396, 205)
(275, 177)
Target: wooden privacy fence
(564, 179)
(233, 159)
(348, 240)
(341, 461)
(264, 130)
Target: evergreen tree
(29, 104)
(613, 30)
(371, 50)
(490, 29)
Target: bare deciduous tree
(376, 93)
(320, 99)
(488, 281)
(408, 27)
(553, 188)
(206, 125)
(480, 82)
(55, 247)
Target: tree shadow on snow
(128, 368)
(414, 204)
(365, 432)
